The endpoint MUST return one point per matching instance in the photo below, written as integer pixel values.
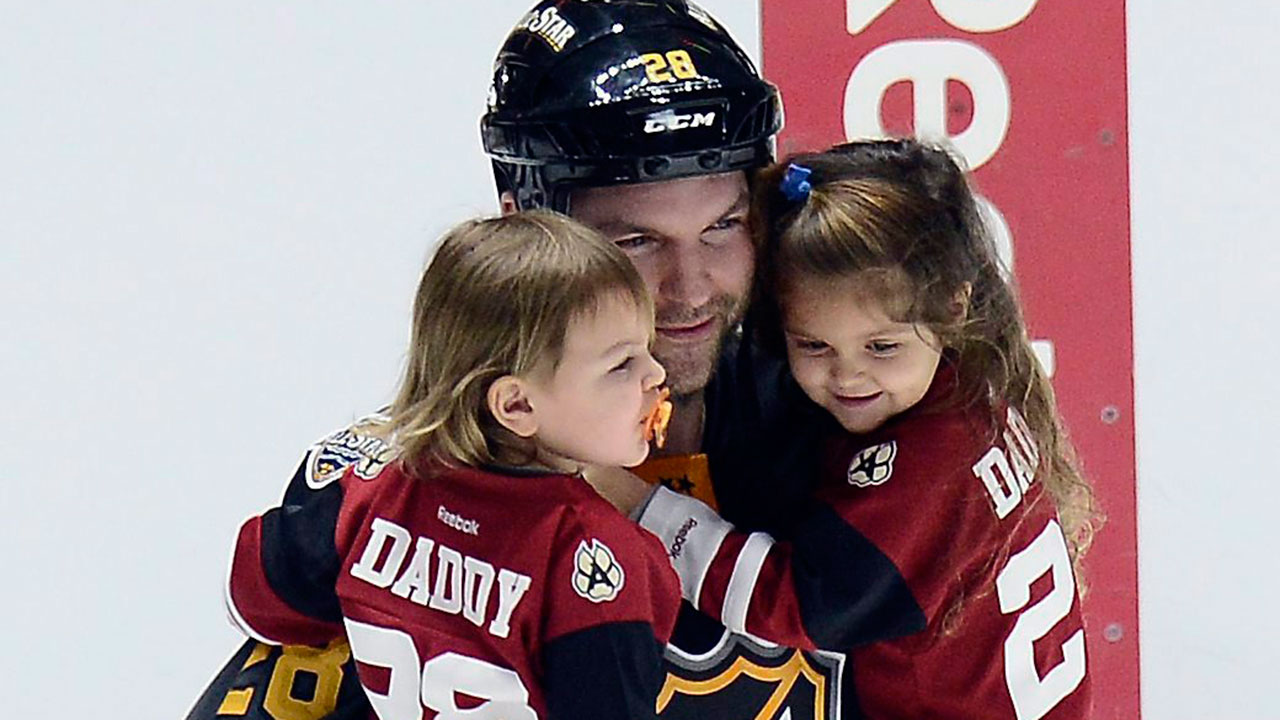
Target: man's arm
(607, 672)
(830, 587)
(761, 437)
(264, 682)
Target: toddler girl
(940, 549)
(473, 570)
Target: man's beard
(689, 365)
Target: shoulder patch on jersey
(597, 576)
(874, 465)
(351, 446)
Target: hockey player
(478, 563)
(640, 118)
(939, 550)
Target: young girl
(478, 572)
(940, 549)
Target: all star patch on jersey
(597, 576)
(353, 445)
(874, 465)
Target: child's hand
(621, 488)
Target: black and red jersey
(929, 566)
(762, 438)
(459, 588)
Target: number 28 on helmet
(590, 93)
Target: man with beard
(642, 119)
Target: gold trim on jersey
(685, 474)
(785, 675)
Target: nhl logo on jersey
(597, 576)
(874, 465)
(757, 679)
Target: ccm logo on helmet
(549, 26)
(669, 120)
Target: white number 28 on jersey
(1033, 695)
(409, 689)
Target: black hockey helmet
(588, 93)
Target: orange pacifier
(655, 426)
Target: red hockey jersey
(930, 558)
(463, 588)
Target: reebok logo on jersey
(874, 465)
(457, 522)
(682, 536)
(597, 576)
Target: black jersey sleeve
(604, 672)
(281, 587)
(299, 555)
(849, 592)
(829, 587)
(761, 438)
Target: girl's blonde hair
(497, 299)
(900, 215)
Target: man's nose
(687, 277)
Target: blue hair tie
(795, 183)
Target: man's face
(689, 240)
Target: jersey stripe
(746, 570)
(690, 531)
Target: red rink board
(1055, 167)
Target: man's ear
(507, 201)
(509, 404)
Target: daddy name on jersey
(461, 584)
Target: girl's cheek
(796, 365)
(804, 370)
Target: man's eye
(724, 230)
(728, 223)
